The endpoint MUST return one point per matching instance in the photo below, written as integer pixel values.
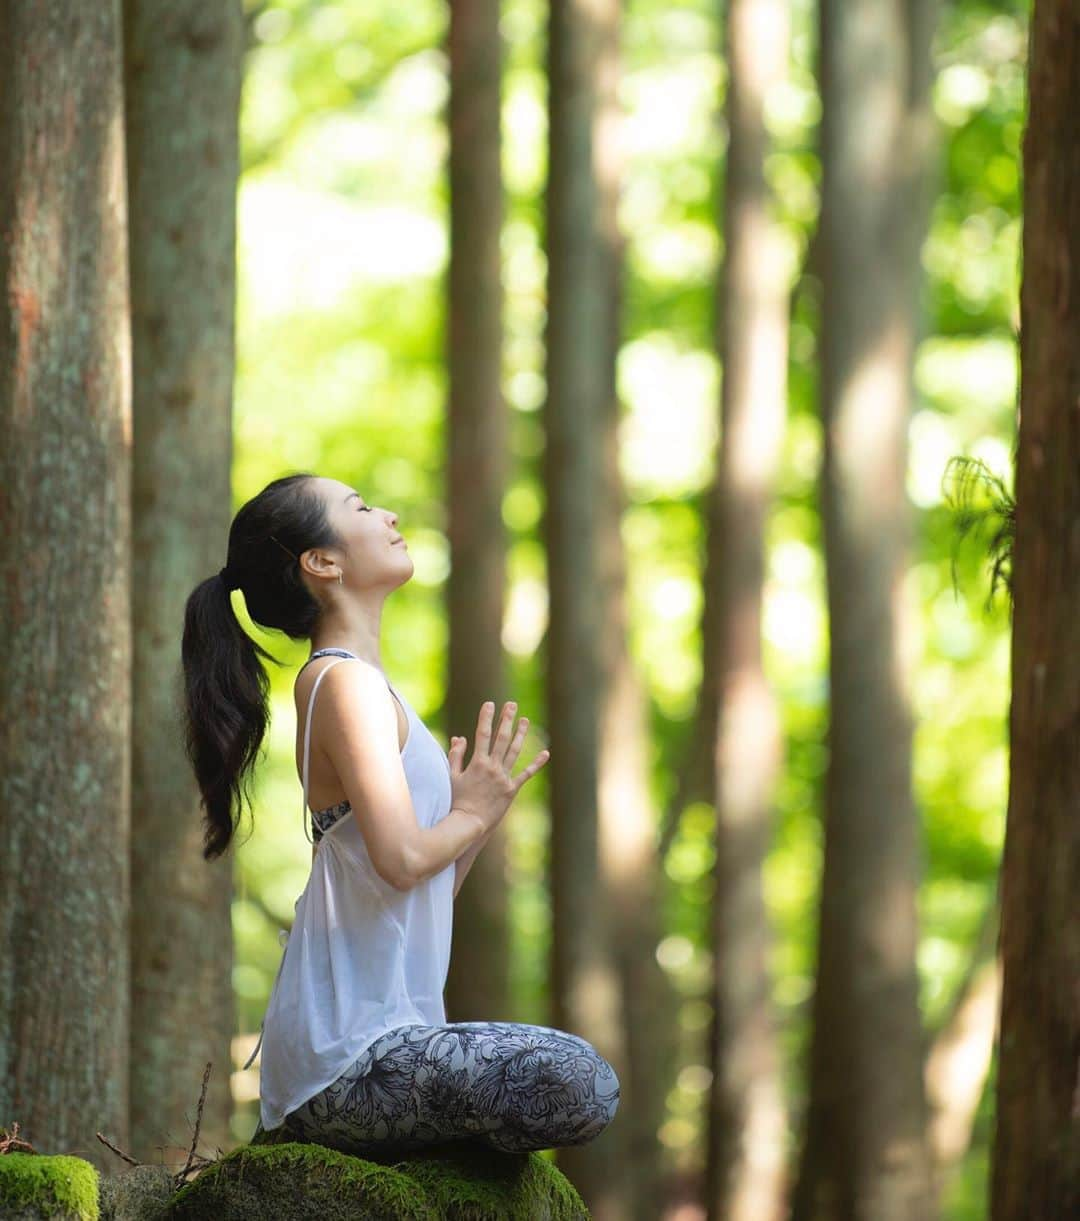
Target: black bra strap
(332, 652)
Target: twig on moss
(196, 1165)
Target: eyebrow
(350, 496)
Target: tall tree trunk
(747, 1122)
(584, 982)
(183, 65)
(865, 1154)
(65, 632)
(959, 1057)
(1036, 1169)
(478, 983)
(631, 879)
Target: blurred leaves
(342, 221)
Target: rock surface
(307, 1182)
(139, 1194)
(290, 1181)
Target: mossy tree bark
(746, 1178)
(183, 64)
(477, 987)
(65, 644)
(1036, 1161)
(584, 979)
(865, 1153)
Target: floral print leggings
(508, 1085)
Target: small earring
(340, 577)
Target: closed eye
(364, 509)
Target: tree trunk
(747, 1122)
(631, 877)
(865, 1154)
(65, 635)
(478, 983)
(584, 983)
(182, 73)
(958, 1060)
(1036, 1166)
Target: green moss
(473, 1183)
(295, 1182)
(453, 1182)
(60, 1187)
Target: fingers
(532, 769)
(456, 753)
(506, 726)
(507, 744)
(483, 728)
(514, 749)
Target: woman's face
(373, 552)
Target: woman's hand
(485, 788)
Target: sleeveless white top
(362, 957)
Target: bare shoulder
(354, 696)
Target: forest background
(593, 392)
(341, 369)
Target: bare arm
(357, 725)
(464, 862)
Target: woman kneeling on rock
(356, 1050)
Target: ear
(319, 564)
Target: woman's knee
(598, 1089)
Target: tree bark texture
(747, 1122)
(65, 636)
(585, 987)
(630, 869)
(865, 1154)
(183, 65)
(1036, 1163)
(478, 983)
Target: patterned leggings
(508, 1085)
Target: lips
(397, 540)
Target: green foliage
(341, 335)
(984, 504)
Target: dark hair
(225, 685)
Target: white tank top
(362, 957)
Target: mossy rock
(474, 1183)
(139, 1194)
(37, 1187)
(308, 1182)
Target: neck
(354, 626)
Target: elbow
(400, 882)
(402, 873)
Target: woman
(356, 1050)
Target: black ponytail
(226, 688)
(226, 692)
